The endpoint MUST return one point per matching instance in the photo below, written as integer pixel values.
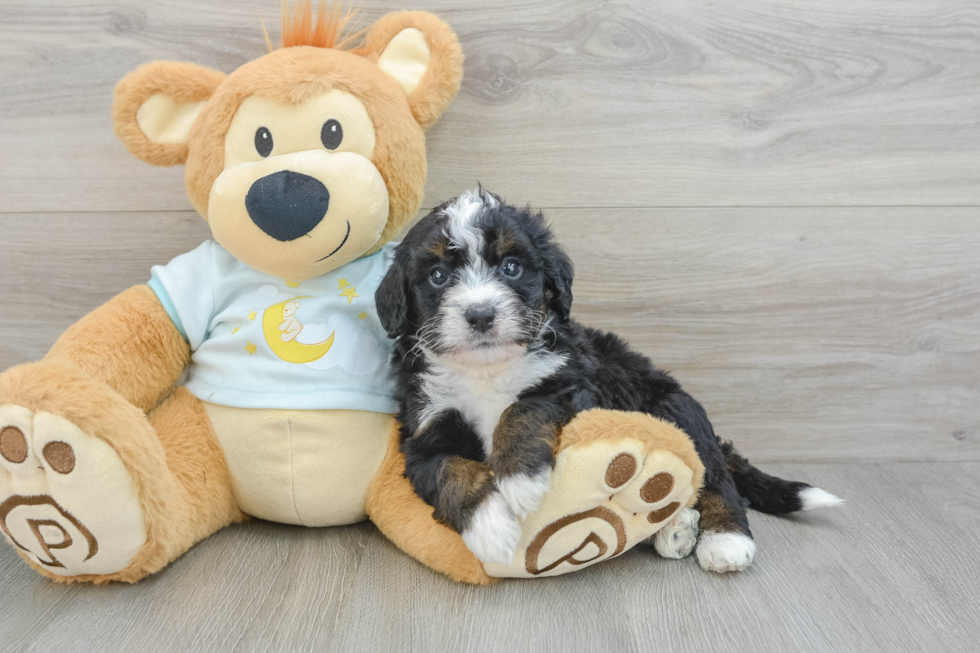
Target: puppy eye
(263, 142)
(332, 134)
(511, 269)
(438, 277)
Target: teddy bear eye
(263, 142)
(332, 134)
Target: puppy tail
(770, 494)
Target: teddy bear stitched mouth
(337, 249)
(287, 205)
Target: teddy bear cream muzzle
(296, 215)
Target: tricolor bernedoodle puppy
(490, 368)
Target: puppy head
(476, 281)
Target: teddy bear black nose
(287, 205)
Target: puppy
(490, 368)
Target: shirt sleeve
(185, 289)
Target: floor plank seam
(705, 207)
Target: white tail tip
(814, 497)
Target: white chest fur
(483, 393)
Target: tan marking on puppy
(438, 248)
(466, 483)
(715, 516)
(517, 429)
(505, 244)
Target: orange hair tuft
(332, 28)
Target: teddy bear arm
(619, 477)
(128, 343)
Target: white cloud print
(356, 350)
(262, 298)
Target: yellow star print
(251, 316)
(250, 348)
(342, 283)
(349, 294)
(235, 330)
(292, 284)
(362, 316)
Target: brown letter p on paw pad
(13, 444)
(60, 456)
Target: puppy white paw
(677, 539)
(494, 533)
(725, 552)
(523, 493)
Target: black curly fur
(601, 371)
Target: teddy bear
(249, 377)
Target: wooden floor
(778, 201)
(894, 570)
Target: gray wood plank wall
(779, 201)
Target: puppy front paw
(725, 552)
(523, 493)
(677, 539)
(493, 533)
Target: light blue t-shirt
(262, 342)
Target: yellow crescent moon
(292, 351)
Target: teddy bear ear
(155, 106)
(423, 55)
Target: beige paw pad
(605, 497)
(66, 499)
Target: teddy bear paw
(603, 499)
(67, 501)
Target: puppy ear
(423, 55)
(558, 274)
(155, 106)
(393, 299)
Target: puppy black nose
(287, 205)
(480, 317)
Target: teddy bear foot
(605, 497)
(67, 501)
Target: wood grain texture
(569, 102)
(812, 330)
(822, 581)
(809, 334)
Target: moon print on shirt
(280, 326)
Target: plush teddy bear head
(310, 156)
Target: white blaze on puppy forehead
(462, 230)
(475, 283)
